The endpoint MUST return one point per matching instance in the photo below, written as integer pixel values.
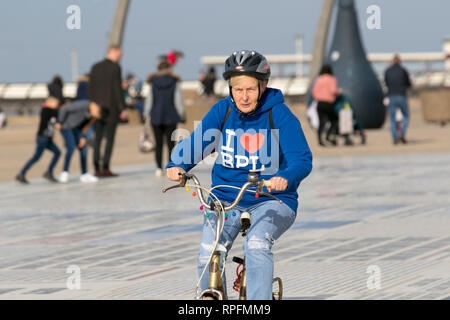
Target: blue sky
(36, 43)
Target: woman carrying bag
(164, 109)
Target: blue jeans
(72, 138)
(270, 219)
(43, 143)
(398, 102)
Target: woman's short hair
(326, 69)
(236, 80)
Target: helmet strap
(231, 93)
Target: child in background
(44, 140)
(343, 102)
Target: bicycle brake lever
(184, 178)
(172, 187)
(269, 195)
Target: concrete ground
(372, 224)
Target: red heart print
(252, 142)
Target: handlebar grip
(267, 183)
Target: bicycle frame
(216, 288)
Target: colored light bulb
(201, 207)
(256, 195)
(187, 188)
(194, 194)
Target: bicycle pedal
(238, 260)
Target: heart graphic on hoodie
(252, 142)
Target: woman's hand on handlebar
(173, 173)
(277, 184)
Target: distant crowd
(102, 101)
(332, 114)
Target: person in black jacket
(397, 81)
(55, 89)
(164, 106)
(44, 140)
(105, 91)
(208, 81)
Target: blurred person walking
(74, 120)
(44, 140)
(325, 91)
(82, 87)
(397, 81)
(208, 81)
(55, 89)
(164, 108)
(171, 57)
(105, 91)
(131, 88)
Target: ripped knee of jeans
(255, 242)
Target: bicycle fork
(216, 290)
(215, 279)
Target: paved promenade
(369, 227)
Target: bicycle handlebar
(253, 180)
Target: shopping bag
(312, 115)
(345, 121)
(146, 143)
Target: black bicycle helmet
(247, 62)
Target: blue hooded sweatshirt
(246, 144)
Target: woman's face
(245, 94)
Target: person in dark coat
(208, 82)
(165, 108)
(105, 90)
(82, 87)
(397, 81)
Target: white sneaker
(158, 173)
(88, 178)
(63, 177)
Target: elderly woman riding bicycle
(256, 133)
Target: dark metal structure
(354, 72)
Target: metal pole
(299, 51)
(118, 25)
(320, 39)
(74, 63)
